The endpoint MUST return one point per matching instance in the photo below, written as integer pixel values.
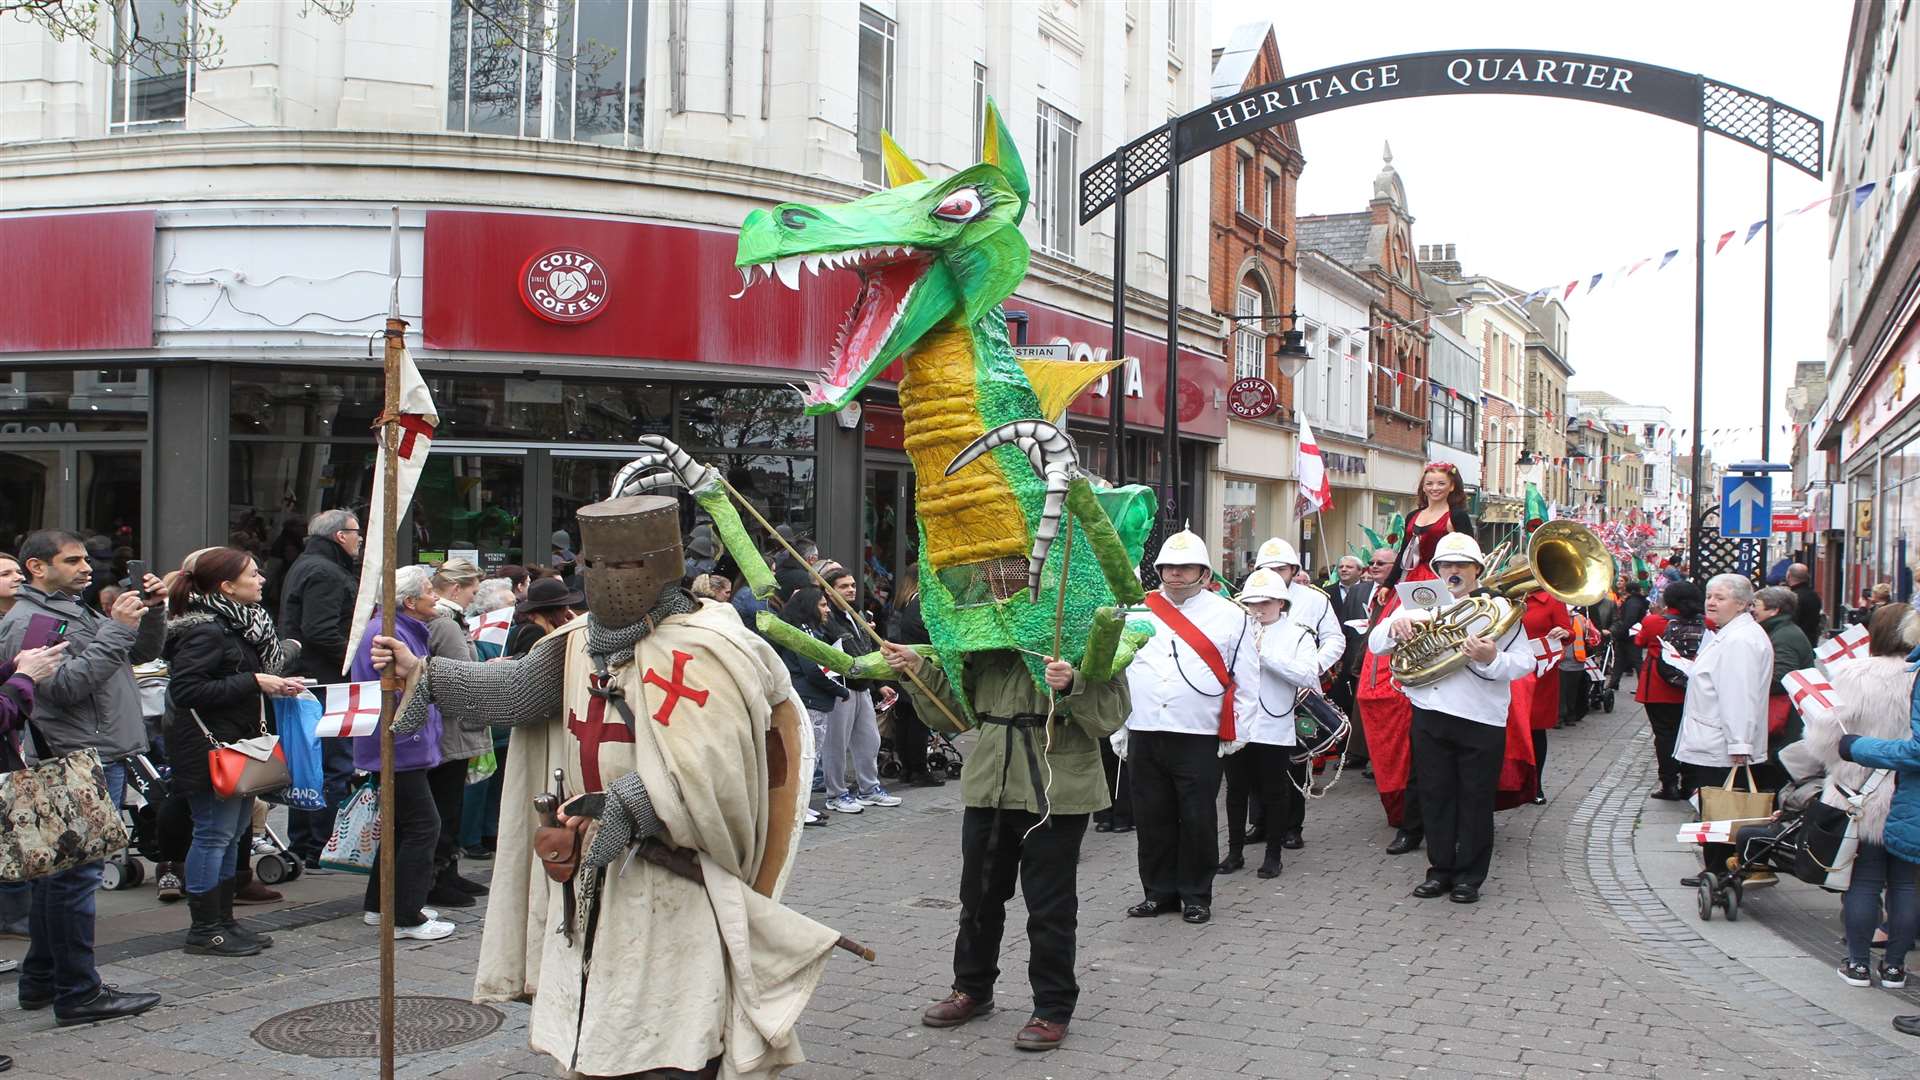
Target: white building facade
(234, 222)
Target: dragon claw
(664, 466)
(1050, 451)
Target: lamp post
(1293, 354)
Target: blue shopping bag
(297, 720)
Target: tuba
(1564, 558)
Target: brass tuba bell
(1564, 558)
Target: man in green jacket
(1029, 787)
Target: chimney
(1438, 260)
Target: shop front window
(471, 506)
(274, 487)
(1240, 528)
(756, 417)
(30, 492)
(70, 401)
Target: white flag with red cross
(1310, 474)
(1811, 692)
(493, 627)
(352, 709)
(1545, 654)
(1848, 644)
(417, 417)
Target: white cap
(1183, 548)
(1276, 552)
(1458, 547)
(1264, 584)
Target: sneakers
(264, 846)
(1855, 974)
(845, 803)
(877, 797)
(372, 918)
(1893, 976)
(169, 882)
(814, 817)
(431, 930)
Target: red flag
(1724, 237)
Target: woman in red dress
(1545, 619)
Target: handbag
(356, 833)
(1832, 840)
(59, 815)
(245, 766)
(1724, 803)
(1779, 706)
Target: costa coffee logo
(564, 285)
(1252, 398)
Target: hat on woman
(548, 594)
(1458, 547)
(1264, 584)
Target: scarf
(613, 646)
(253, 624)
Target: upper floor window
(573, 70)
(1273, 200)
(1249, 336)
(151, 90)
(877, 37)
(979, 105)
(1243, 193)
(1057, 172)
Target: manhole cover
(350, 1029)
(935, 902)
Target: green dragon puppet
(996, 475)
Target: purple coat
(16, 705)
(420, 750)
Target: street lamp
(1293, 343)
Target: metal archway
(1783, 133)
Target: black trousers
(909, 739)
(1664, 719)
(992, 856)
(1268, 773)
(1176, 788)
(1458, 763)
(1342, 697)
(1118, 781)
(1573, 695)
(1626, 660)
(416, 829)
(448, 783)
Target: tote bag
(1725, 803)
(356, 833)
(59, 815)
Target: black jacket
(817, 692)
(1807, 613)
(908, 627)
(1350, 603)
(317, 607)
(1633, 610)
(211, 672)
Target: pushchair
(147, 791)
(1600, 668)
(1779, 844)
(943, 757)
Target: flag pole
(391, 685)
(1320, 531)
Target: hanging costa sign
(1252, 398)
(564, 285)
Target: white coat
(1726, 705)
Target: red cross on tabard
(595, 732)
(676, 688)
(412, 427)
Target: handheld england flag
(1848, 644)
(352, 709)
(1545, 654)
(416, 419)
(1811, 692)
(493, 627)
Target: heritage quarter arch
(1782, 132)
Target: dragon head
(925, 251)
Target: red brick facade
(1252, 214)
(1400, 334)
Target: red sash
(1204, 648)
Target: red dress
(1543, 614)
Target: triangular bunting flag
(1860, 193)
(1753, 230)
(1571, 285)
(1724, 237)
(1665, 259)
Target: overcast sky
(1539, 191)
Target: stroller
(1600, 668)
(1779, 845)
(943, 757)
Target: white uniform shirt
(1477, 692)
(1726, 706)
(1287, 664)
(1174, 690)
(1308, 607)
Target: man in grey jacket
(90, 703)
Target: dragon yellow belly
(973, 515)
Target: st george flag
(1545, 654)
(1811, 692)
(1310, 472)
(417, 419)
(492, 629)
(1848, 644)
(351, 709)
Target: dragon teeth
(788, 270)
(812, 263)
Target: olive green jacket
(998, 685)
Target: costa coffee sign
(564, 285)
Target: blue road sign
(1746, 507)
(1747, 557)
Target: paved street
(1578, 962)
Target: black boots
(1232, 862)
(228, 890)
(1270, 867)
(1405, 840)
(208, 936)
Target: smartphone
(44, 630)
(136, 574)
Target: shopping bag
(1724, 803)
(1779, 707)
(356, 833)
(297, 720)
(481, 768)
(58, 815)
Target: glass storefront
(1242, 528)
(1899, 528)
(71, 446)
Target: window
(1453, 418)
(877, 37)
(1242, 177)
(1273, 201)
(1173, 26)
(979, 106)
(1646, 479)
(587, 85)
(152, 92)
(1249, 336)
(1058, 171)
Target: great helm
(1458, 547)
(1276, 552)
(631, 551)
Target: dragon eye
(962, 205)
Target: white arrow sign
(1753, 499)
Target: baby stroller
(943, 757)
(1600, 691)
(1777, 845)
(147, 791)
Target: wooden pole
(391, 685)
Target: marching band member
(1459, 731)
(1193, 683)
(1288, 663)
(1308, 607)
